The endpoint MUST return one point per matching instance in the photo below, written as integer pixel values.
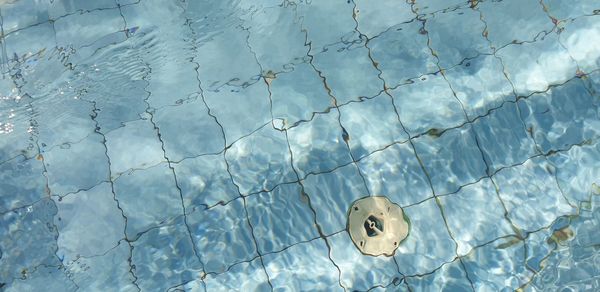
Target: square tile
(576, 37)
(165, 257)
(28, 239)
(532, 67)
(304, 266)
(21, 14)
(30, 40)
(222, 236)
(480, 85)
(68, 120)
(21, 183)
(456, 35)
(402, 53)
(68, 165)
(134, 145)
(297, 95)
(563, 116)
(251, 110)
(184, 137)
(450, 277)
(204, 181)
(92, 25)
(396, 173)
(336, 17)
(371, 124)
(531, 194)
(442, 110)
(227, 49)
(372, 271)
(428, 244)
(260, 161)
(148, 197)
(563, 9)
(452, 159)
(84, 215)
(503, 139)
(527, 18)
(498, 265)
(246, 276)
(374, 18)
(332, 193)
(475, 215)
(281, 218)
(318, 145)
(349, 72)
(98, 273)
(290, 39)
(576, 171)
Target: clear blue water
(217, 145)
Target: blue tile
(290, 45)
(575, 37)
(371, 125)
(498, 265)
(531, 194)
(132, 146)
(298, 94)
(251, 112)
(246, 276)
(450, 277)
(93, 24)
(428, 244)
(475, 216)
(183, 138)
(372, 271)
(331, 194)
(222, 236)
(497, 14)
(576, 171)
(165, 257)
(281, 218)
(402, 53)
(452, 159)
(260, 161)
(21, 183)
(480, 85)
(335, 16)
(75, 166)
(318, 146)
(204, 181)
(374, 18)
(349, 72)
(161, 199)
(564, 116)
(503, 138)
(441, 111)
(533, 67)
(27, 240)
(396, 173)
(82, 216)
(304, 266)
(456, 35)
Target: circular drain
(377, 226)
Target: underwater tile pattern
(151, 145)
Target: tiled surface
(216, 146)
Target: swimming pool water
(217, 145)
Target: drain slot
(373, 226)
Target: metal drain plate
(377, 226)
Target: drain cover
(377, 226)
